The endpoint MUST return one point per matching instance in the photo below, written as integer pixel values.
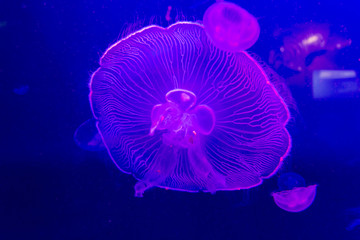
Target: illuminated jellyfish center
(180, 120)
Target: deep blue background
(51, 189)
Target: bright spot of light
(311, 39)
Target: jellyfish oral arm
(158, 171)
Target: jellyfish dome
(295, 200)
(231, 27)
(177, 112)
(87, 137)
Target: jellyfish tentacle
(199, 162)
(159, 169)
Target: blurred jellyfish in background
(355, 224)
(22, 89)
(290, 180)
(303, 43)
(230, 27)
(178, 112)
(294, 196)
(87, 137)
(308, 47)
(352, 217)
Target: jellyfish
(230, 27)
(293, 195)
(307, 47)
(353, 218)
(290, 180)
(87, 137)
(21, 90)
(177, 112)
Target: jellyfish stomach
(181, 120)
(181, 132)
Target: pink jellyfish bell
(295, 200)
(230, 27)
(179, 113)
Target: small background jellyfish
(230, 27)
(290, 180)
(307, 47)
(21, 90)
(293, 195)
(87, 137)
(353, 219)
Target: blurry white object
(335, 84)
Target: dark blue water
(52, 189)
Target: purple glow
(230, 27)
(295, 200)
(178, 113)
